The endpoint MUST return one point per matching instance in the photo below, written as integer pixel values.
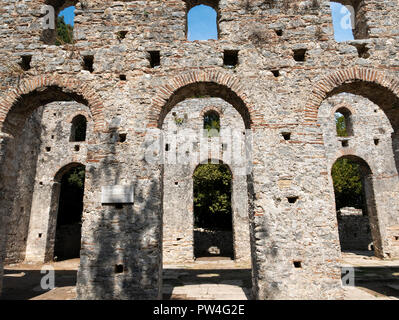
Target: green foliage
(71, 196)
(212, 124)
(76, 177)
(341, 125)
(179, 121)
(348, 185)
(64, 32)
(212, 197)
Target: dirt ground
(205, 279)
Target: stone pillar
(121, 252)
(295, 243)
(4, 139)
(178, 214)
(239, 203)
(43, 221)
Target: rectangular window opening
(276, 73)
(122, 137)
(122, 34)
(300, 55)
(292, 199)
(119, 268)
(88, 62)
(155, 58)
(286, 136)
(25, 62)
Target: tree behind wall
(341, 125)
(212, 197)
(348, 185)
(64, 32)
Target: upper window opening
(202, 23)
(343, 21)
(343, 121)
(65, 23)
(212, 123)
(78, 129)
(58, 22)
(349, 21)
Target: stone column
(121, 253)
(43, 221)
(4, 139)
(239, 203)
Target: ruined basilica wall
(178, 212)
(18, 178)
(371, 141)
(57, 152)
(296, 168)
(41, 150)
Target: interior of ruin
(262, 158)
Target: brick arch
(211, 108)
(215, 83)
(343, 105)
(75, 89)
(348, 80)
(61, 170)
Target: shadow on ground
(25, 284)
(382, 280)
(217, 279)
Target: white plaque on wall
(116, 194)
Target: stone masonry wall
(371, 141)
(178, 212)
(41, 151)
(56, 155)
(354, 230)
(290, 200)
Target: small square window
(292, 199)
(25, 62)
(286, 136)
(300, 55)
(276, 73)
(119, 268)
(230, 58)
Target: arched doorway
(69, 213)
(31, 154)
(206, 110)
(358, 224)
(372, 97)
